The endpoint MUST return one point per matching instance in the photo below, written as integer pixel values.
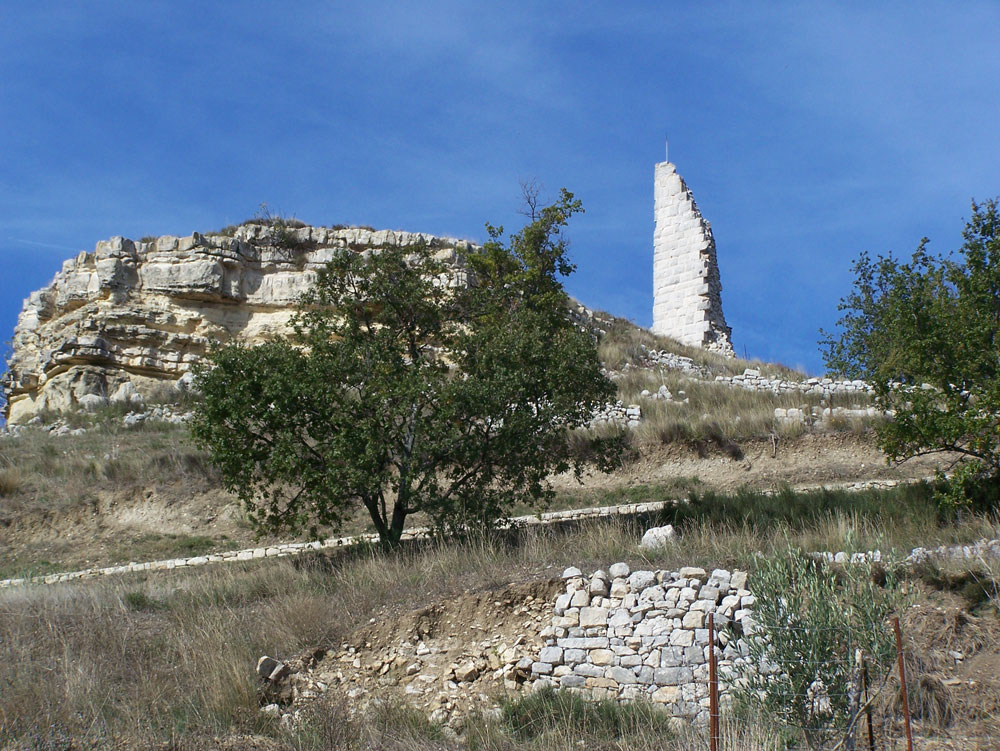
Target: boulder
(658, 537)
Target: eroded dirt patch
(446, 660)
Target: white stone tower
(687, 290)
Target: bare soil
(166, 520)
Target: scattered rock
(270, 669)
(658, 537)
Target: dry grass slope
(136, 661)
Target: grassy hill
(85, 489)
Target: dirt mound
(446, 659)
(807, 460)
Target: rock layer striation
(130, 318)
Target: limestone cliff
(129, 318)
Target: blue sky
(809, 132)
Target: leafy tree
(926, 336)
(405, 391)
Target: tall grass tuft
(10, 481)
(556, 720)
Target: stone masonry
(626, 634)
(687, 290)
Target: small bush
(808, 621)
(140, 601)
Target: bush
(808, 621)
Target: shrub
(10, 481)
(808, 621)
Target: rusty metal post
(853, 703)
(902, 684)
(713, 687)
(868, 706)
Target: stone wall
(626, 634)
(806, 415)
(619, 415)
(753, 380)
(687, 289)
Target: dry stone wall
(752, 380)
(629, 635)
(619, 415)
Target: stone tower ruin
(687, 290)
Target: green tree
(405, 390)
(926, 336)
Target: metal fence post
(902, 683)
(713, 687)
(868, 706)
(853, 702)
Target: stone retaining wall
(807, 415)
(618, 414)
(628, 635)
(752, 380)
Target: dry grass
(712, 413)
(623, 340)
(138, 660)
(716, 412)
(55, 473)
(10, 482)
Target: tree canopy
(404, 390)
(926, 336)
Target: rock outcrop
(131, 318)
